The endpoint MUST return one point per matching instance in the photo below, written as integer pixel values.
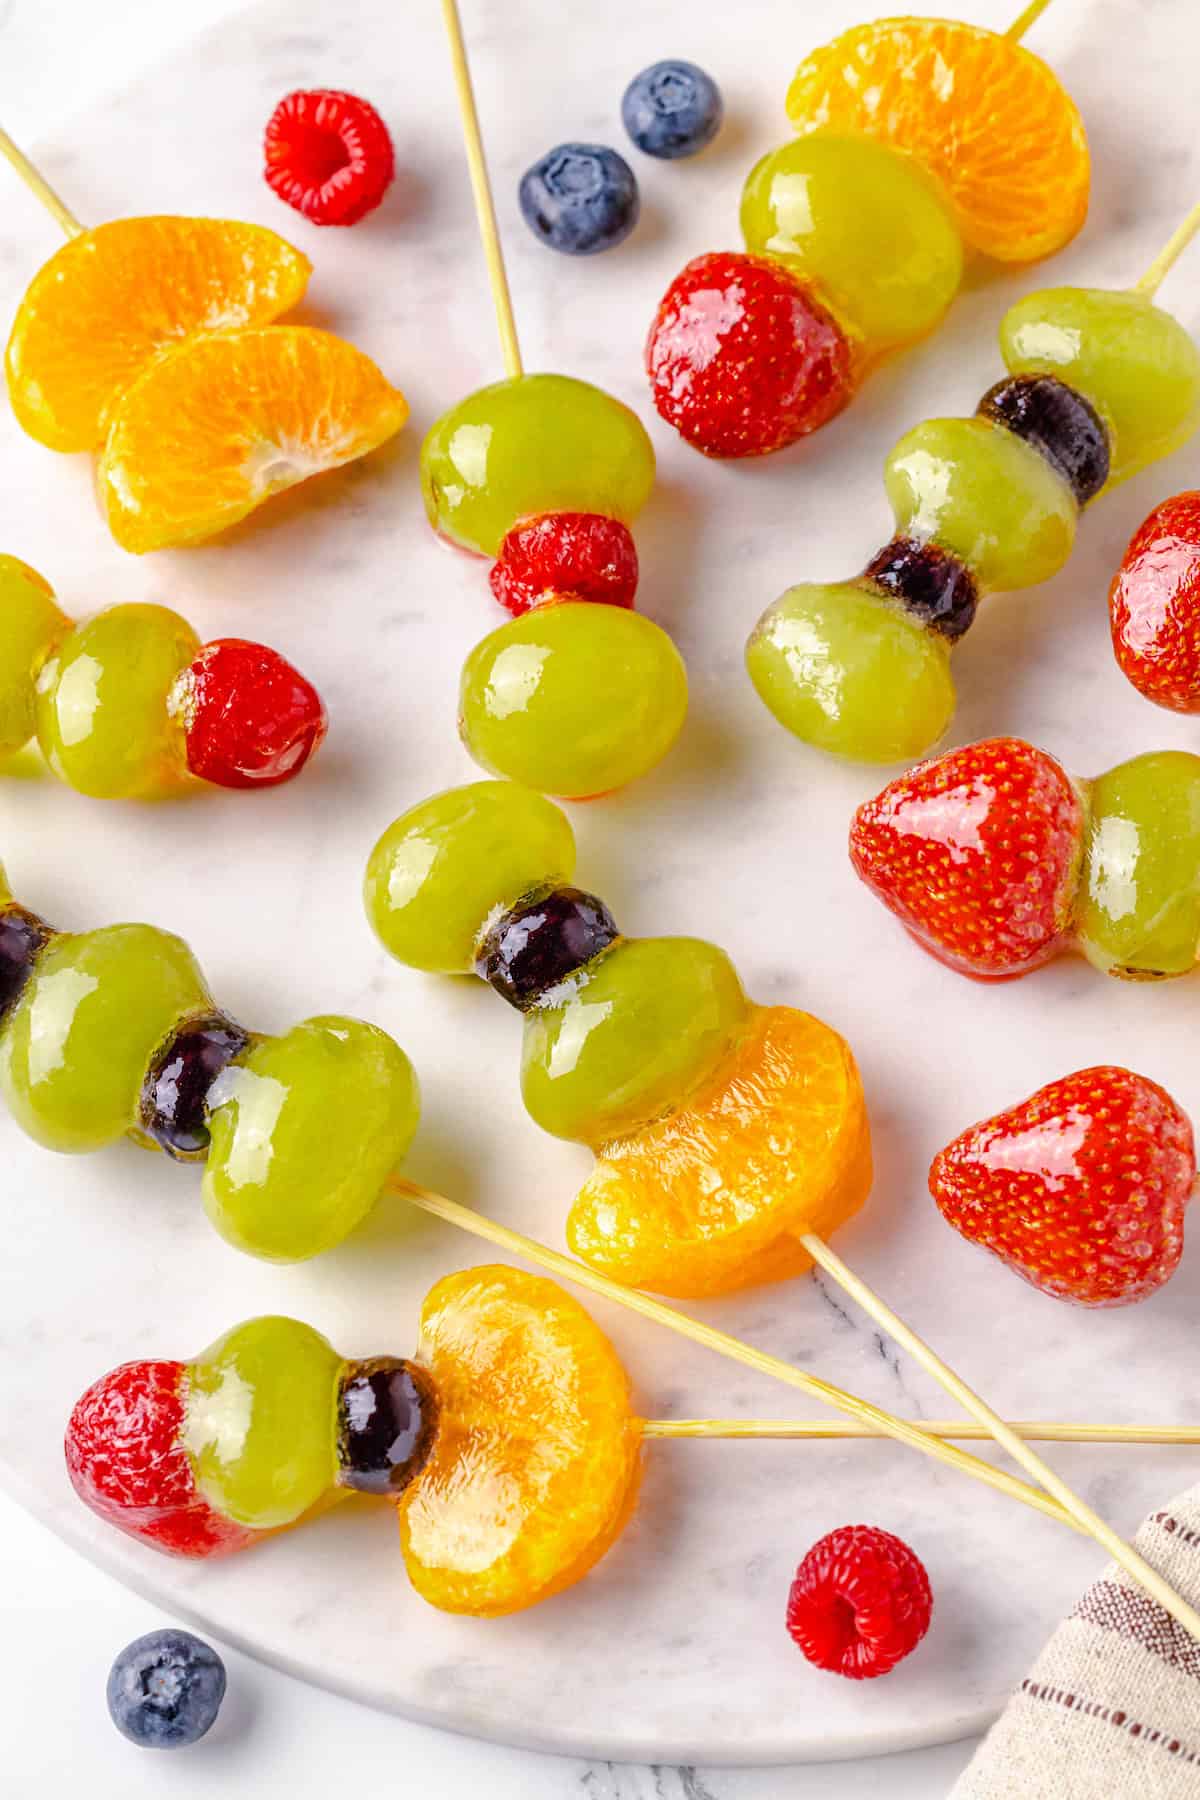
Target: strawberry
(580, 556)
(743, 359)
(1081, 1189)
(978, 853)
(1154, 606)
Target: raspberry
(860, 1602)
(1154, 606)
(126, 1462)
(1081, 1189)
(251, 719)
(743, 359)
(978, 853)
(566, 555)
(329, 155)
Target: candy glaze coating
(1154, 606)
(33, 623)
(1139, 908)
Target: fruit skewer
(129, 704)
(153, 343)
(1099, 385)
(577, 694)
(731, 1139)
(920, 141)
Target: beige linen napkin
(1111, 1708)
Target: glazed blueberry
(672, 109)
(22, 935)
(1060, 423)
(540, 941)
(580, 198)
(387, 1423)
(165, 1690)
(931, 584)
(174, 1110)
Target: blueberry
(22, 936)
(542, 940)
(672, 109)
(174, 1106)
(165, 1690)
(387, 1423)
(1060, 423)
(580, 198)
(930, 583)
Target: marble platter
(674, 1648)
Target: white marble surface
(740, 836)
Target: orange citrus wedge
(109, 299)
(978, 110)
(534, 1470)
(214, 427)
(709, 1198)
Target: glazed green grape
(305, 1129)
(979, 490)
(30, 621)
(444, 870)
(1136, 364)
(102, 711)
(866, 226)
(642, 1026)
(95, 1009)
(260, 1421)
(1140, 913)
(534, 444)
(573, 699)
(852, 673)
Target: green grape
(979, 490)
(76, 1047)
(642, 1026)
(574, 699)
(31, 623)
(852, 673)
(260, 1421)
(306, 1128)
(102, 711)
(1140, 911)
(533, 444)
(1136, 364)
(866, 226)
(445, 869)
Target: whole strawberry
(978, 853)
(743, 359)
(1081, 1189)
(1154, 606)
(860, 1602)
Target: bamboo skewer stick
(1169, 255)
(1040, 1430)
(37, 184)
(481, 187)
(1029, 16)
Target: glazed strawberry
(860, 1602)
(743, 359)
(250, 718)
(1154, 606)
(565, 555)
(126, 1462)
(978, 853)
(329, 155)
(1081, 1189)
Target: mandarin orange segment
(96, 313)
(534, 1471)
(706, 1200)
(214, 427)
(980, 112)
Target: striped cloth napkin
(1111, 1708)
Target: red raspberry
(743, 359)
(251, 719)
(1154, 606)
(566, 555)
(329, 155)
(860, 1602)
(126, 1462)
(1081, 1189)
(978, 853)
